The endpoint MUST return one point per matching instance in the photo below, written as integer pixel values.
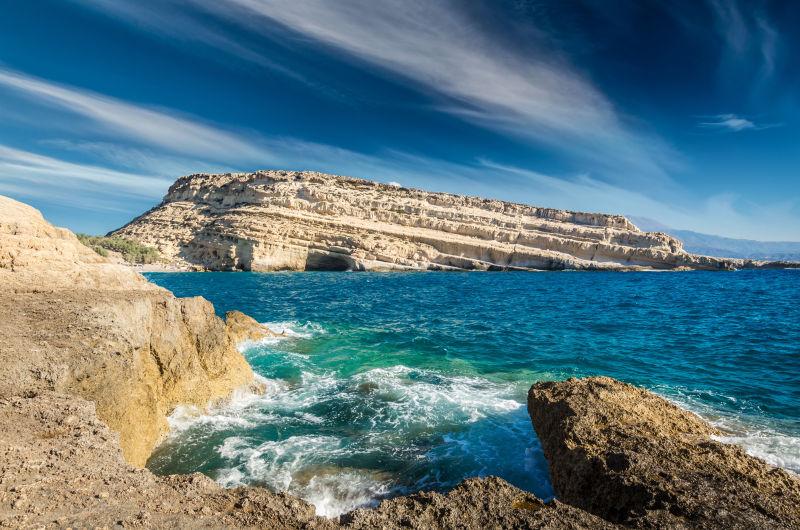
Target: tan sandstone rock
(92, 357)
(72, 321)
(284, 220)
(474, 504)
(632, 457)
(243, 328)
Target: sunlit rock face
(72, 321)
(282, 220)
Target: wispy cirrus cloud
(748, 35)
(532, 93)
(529, 94)
(733, 123)
(26, 175)
(724, 213)
(131, 135)
(173, 20)
(136, 151)
(134, 122)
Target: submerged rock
(631, 457)
(291, 220)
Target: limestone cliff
(280, 220)
(72, 321)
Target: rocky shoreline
(303, 220)
(93, 358)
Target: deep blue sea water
(390, 383)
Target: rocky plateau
(290, 220)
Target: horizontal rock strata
(279, 220)
(632, 457)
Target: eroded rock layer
(71, 321)
(280, 220)
(632, 457)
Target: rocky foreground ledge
(285, 220)
(92, 358)
(633, 458)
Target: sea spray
(346, 441)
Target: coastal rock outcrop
(474, 504)
(633, 458)
(62, 467)
(71, 321)
(284, 220)
(242, 328)
(92, 358)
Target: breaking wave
(385, 384)
(757, 435)
(346, 441)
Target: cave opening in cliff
(327, 262)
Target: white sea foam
(744, 430)
(246, 345)
(427, 397)
(395, 401)
(774, 448)
(241, 410)
(339, 493)
(297, 465)
(290, 329)
(295, 329)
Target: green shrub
(131, 251)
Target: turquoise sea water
(390, 383)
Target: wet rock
(244, 328)
(631, 457)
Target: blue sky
(687, 113)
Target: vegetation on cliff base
(131, 251)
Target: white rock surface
(283, 220)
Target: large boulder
(634, 458)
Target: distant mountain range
(711, 245)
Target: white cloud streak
(748, 36)
(722, 214)
(18, 164)
(136, 123)
(531, 95)
(174, 142)
(176, 22)
(520, 92)
(733, 123)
